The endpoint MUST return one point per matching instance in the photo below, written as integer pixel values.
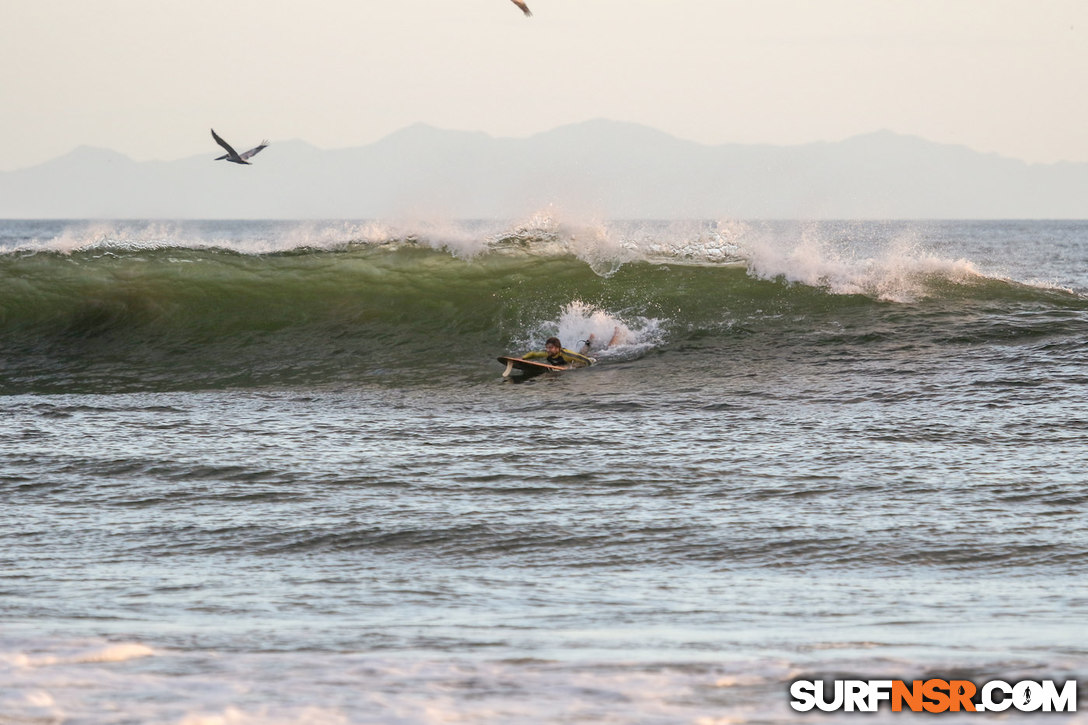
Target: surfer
(555, 354)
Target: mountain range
(605, 168)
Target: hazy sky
(149, 77)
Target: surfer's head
(552, 345)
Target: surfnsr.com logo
(934, 695)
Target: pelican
(233, 155)
(524, 8)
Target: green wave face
(163, 316)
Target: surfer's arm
(534, 355)
(575, 359)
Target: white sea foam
(614, 336)
(48, 681)
(120, 652)
(196, 687)
(339, 689)
(264, 716)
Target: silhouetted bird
(233, 155)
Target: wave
(220, 303)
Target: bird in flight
(233, 155)
(524, 8)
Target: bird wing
(254, 151)
(524, 8)
(231, 153)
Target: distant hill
(606, 168)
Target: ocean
(270, 472)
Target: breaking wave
(241, 303)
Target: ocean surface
(269, 472)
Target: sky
(147, 78)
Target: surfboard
(527, 367)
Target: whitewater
(269, 471)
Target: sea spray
(852, 261)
